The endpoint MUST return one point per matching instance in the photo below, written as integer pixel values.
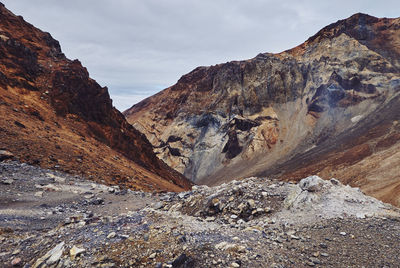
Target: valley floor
(50, 219)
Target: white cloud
(123, 102)
(136, 47)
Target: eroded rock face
(251, 117)
(54, 114)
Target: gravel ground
(50, 219)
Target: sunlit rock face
(288, 114)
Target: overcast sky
(139, 47)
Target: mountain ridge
(54, 111)
(241, 118)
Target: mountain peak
(375, 33)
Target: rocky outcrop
(246, 223)
(55, 115)
(320, 108)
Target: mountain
(328, 107)
(54, 115)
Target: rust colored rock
(61, 114)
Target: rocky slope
(329, 107)
(51, 219)
(54, 115)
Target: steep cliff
(327, 107)
(53, 114)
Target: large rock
(51, 257)
(311, 184)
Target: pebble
(158, 205)
(39, 194)
(235, 264)
(343, 233)
(7, 181)
(295, 237)
(16, 262)
(323, 245)
(75, 251)
(183, 195)
(251, 203)
(315, 260)
(309, 263)
(111, 235)
(146, 237)
(210, 219)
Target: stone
(251, 203)
(39, 194)
(111, 235)
(195, 188)
(56, 178)
(311, 184)
(230, 247)
(267, 210)
(4, 155)
(323, 245)
(316, 254)
(315, 260)
(175, 207)
(183, 195)
(183, 261)
(146, 237)
(158, 205)
(16, 252)
(75, 251)
(334, 181)
(16, 261)
(294, 237)
(235, 264)
(343, 233)
(7, 181)
(51, 257)
(97, 201)
(89, 195)
(153, 255)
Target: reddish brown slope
(53, 114)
